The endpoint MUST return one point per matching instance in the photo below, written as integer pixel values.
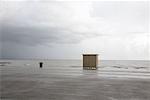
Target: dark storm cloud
(22, 23)
(63, 27)
(34, 35)
(37, 23)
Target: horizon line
(62, 59)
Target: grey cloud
(37, 23)
(37, 35)
(32, 25)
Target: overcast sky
(66, 30)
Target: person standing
(41, 64)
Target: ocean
(66, 80)
(74, 67)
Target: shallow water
(66, 80)
(102, 63)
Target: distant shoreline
(72, 59)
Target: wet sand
(72, 83)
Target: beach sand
(24, 80)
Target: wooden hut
(90, 61)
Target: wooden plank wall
(89, 61)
